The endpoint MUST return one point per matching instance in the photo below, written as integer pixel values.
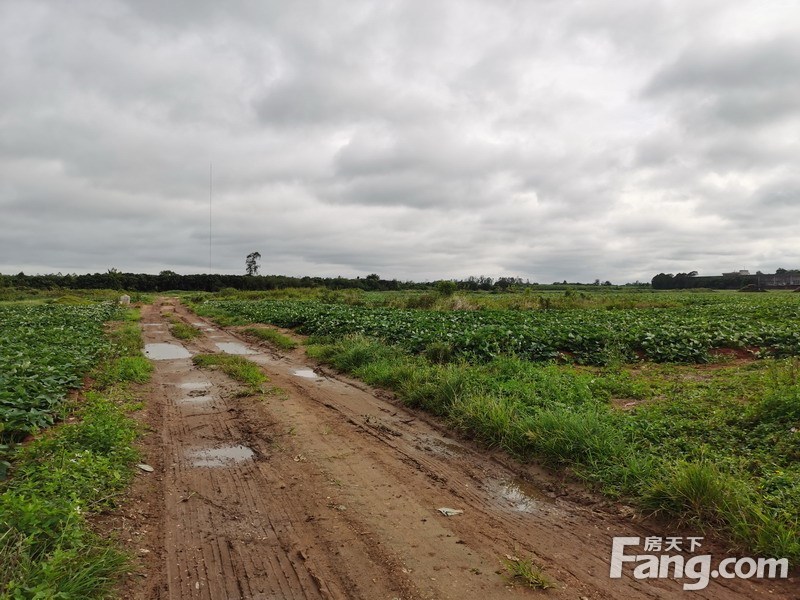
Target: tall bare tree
(251, 263)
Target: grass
(182, 331)
(125, 363)
(527, 572)
(236, 367)
(47, 547)
(273, 337)
(219, 317)
(60, 479)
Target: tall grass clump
(705, 495)
(493, 419)
(351, 352)
(437, 388)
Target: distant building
(779, 280)
(741, 273)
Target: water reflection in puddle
(233, 348)
(164, 351)
(219, 457)
(306, 373)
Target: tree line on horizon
(691, 280)
(170, 280)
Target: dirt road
(325, 488)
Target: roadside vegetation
(58, 479)
(182, 331)
(526, 572)
(617, 397)
(273, 337)
(236, 367)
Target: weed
(439, 352)
(270, 335)
(134, 369)
(236, 367)
(277, 392)
(125, 338)
(527, 572)
(182, 331)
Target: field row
(591, 336)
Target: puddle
(233, 348)
(306, 373)
(449, 447)
(196, 400)
(165, 351)
(441, 447)
(219, 457)
(152, 324)
(522, 495)
(199, 324)
(194, 385)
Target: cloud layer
(545, 140)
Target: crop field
(51, 481)
(685, 405)
(689, 333)
(45, 349)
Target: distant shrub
(446, 287)
(421, 301)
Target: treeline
(682, 281)
(169, 280)
(781, 279)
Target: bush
(446, 287)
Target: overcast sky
(544, 139)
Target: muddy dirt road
(324, 488)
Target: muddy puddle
(203, 400)
(233, 348)
(441, 447)
(224, 456)
(306, 374)
(520, 495)
(164, 351)
(192, 386)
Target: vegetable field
(689, 333)
(44, 352)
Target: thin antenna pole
(210, 195)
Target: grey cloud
(742, 84)
(730, 67)
(419, 140)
